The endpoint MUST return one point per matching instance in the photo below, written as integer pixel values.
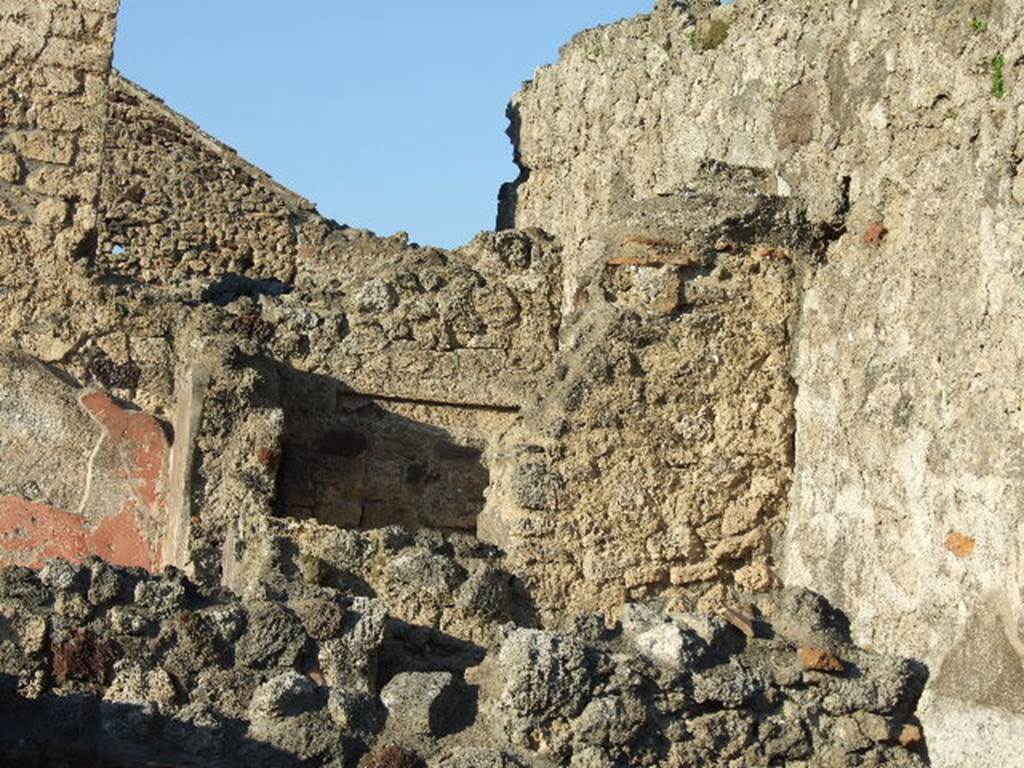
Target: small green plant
(709, 35)
(979, 26)
(998, 70)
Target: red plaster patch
(34, 533)
(119, 540)
(140, 436)
(31, 533)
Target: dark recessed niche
(416, 473)
(349, 462)
(455, 452)
(344, 443)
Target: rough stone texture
(391, 757)
(387, 318)
(767, 336)
(55, 61)
(369, 373)
(419, 702)
(257, 441)
(165, 672)
(657, 456)
(427, 578)
(885, 122)
(177, 203)
(471, 327)
(306, 385)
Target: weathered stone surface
(907, 345)
(274, 637)
(670, 646)
(221, 681)
(50, 149)
(83, 657)
(805, 618)
(355, 713)
(419, 702)
(219, 217)
(766, 341)
(658, 456)
(287, 712)
(547, 679)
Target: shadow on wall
(508, 194)
(81, 731)
(352, 462)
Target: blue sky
(389, 116)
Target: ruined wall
(56, 64)
(177, 203)
(388, 384)
(54, 61)
(758, 238)
(397, 363)
(470, 327)
(388, 366)
(81, 474)
(182, 210)
(657, 458)
(897, 129)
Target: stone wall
(395, 364)
(178, 203)
(371, 394)
(773, 333)
(897, 129)
(658, 456)
(54, 63)
(149, 265)
(101, 665)
(469, 327)
(81, 474)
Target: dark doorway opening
(352, 461)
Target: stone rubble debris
(317, 675)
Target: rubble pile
(101, 664)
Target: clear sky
(387, 115)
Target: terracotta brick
(818, 660)
(875, 234)
(960, 544)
